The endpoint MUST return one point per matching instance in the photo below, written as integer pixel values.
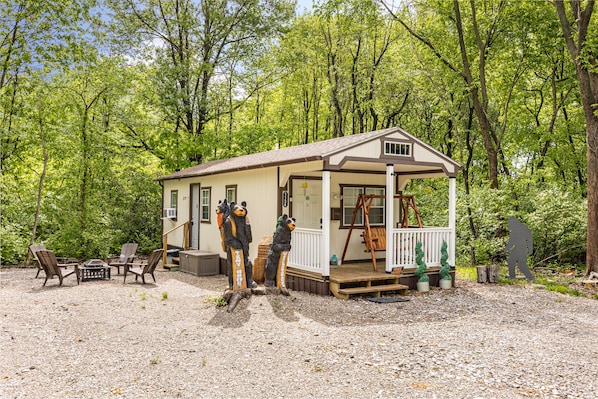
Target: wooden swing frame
(375, 238)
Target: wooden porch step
(170, 266)
(374, 289)
(342, 291)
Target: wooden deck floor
(355, 271)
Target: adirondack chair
(48, 261)
(127, 255)
(143, 268)
(35, 248)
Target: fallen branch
(558, 253)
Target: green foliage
(466, 273)
(559, 286)
(556, 218)
(14, 242)
(558, 221)
(445, 267)
(111, 124)
(420, 271)
(218, 300)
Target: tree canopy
(100, 98)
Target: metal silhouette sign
(520, 245)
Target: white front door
(307, 203)
(195, 216)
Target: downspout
(390, 189)
(325, 249)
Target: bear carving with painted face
(222, 212)
(237, 235)
(281, 242)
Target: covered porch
(385, 169)
(311, 247)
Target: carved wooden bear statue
(237, 235)
(222, 212)
(280, 243)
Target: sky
(304, 4)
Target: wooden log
(259, 270)
(482, 274)
(234, 301)
(492, 272)
(235, 298)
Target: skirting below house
(312, 285)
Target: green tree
(580, 31)
(188, 44)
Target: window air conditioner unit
(169, 213)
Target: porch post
(452, 219)
(390, 200)
(325, 251)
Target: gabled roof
(320, 150)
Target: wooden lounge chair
(35, 248)
(143, 268)
(48, 261)
(127, 255)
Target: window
(174, 199)
(377, 212)
(206, 194)
(350, 196)
(395, 148)
(231, 194)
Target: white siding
(257, 187)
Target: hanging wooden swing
(375, 237)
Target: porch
(358, 279)
(307, 244)
(309, 272)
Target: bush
(558, 221)
(14, 243)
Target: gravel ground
(103, 339)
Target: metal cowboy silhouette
(520, 245)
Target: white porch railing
(403, 254)
(305, 252)
(307, 243)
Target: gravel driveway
(103, 339)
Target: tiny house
(332, 188)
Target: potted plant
(423, 282)
(445, 277)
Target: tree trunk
(479, 105)
(575, 34)
(592, 179)
(42, 176)
(476, 87)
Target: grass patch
(560, 281)
(562, 286)
(466, 273)
(218, 300)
